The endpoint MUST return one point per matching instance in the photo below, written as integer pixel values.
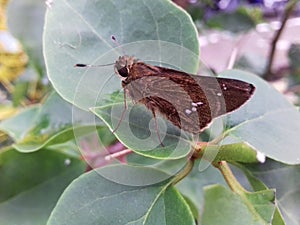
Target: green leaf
(31, 183)
(236, 22)
(93, 199)
(269, 123)
(263, 203)
(193, 208)
(168, 166)
(53, 122)
(137, 133)
(277, 218)
(258, 185)
(284, 179)
(17, 126)
(148, 30)
(225, 207)
(192, 185)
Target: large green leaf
(150, 30)
(268, 122)
(92, 199)
(225, 207)
(31, 183)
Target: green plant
(156, 185)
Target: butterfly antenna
(91, 65)
(115, 41)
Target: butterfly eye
(123, 71)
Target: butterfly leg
(149, 106)
(123, 113)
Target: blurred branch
(288, 11)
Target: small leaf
(31, 183)
(258, 185)
(263, 202)
(93, 199)
(225, 207)
(17, 126)
(282, 177)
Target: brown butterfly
(190, 102)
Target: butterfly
(188, 101)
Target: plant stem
(289, 9)
(230, 178)
(186, 170)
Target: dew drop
(260, 157)
(67, 162)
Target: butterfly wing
(190, 102)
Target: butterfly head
(123, 65)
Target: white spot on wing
(194, 109)
(219, 94)
(224, 87)
(188, 112)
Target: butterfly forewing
(190, 102)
